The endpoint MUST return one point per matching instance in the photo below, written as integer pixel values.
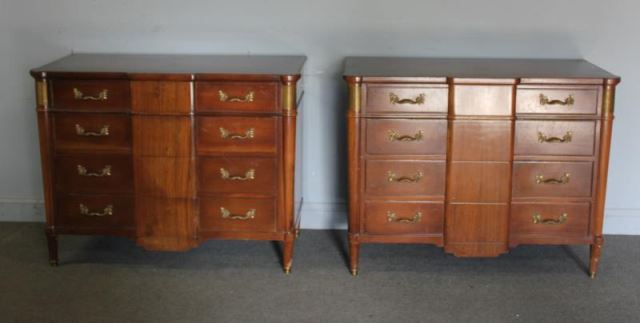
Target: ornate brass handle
(102, 95)
(106, 171)
(392, 177)
(84, 210)
(395, 136)
(562, 180)
(224, 97)
(557, 140)
(249, 175)
(395, 99)
(226, 214)
(537, 219)
(225, 134)
(103, 132)
(544, 100)
(392, 217)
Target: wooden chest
(170, 150)
(477, 155)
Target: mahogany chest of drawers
(170, 150)
(477, 155)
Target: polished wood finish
(84, 95)
(69, 215)
(241, 96)
(224, 135)
(537, 71)
(551, 225)
(394, 218)
(476, 230)
(94, 174)
(132, 145)
(402, 98)
(481, 182)
(485, 140)
(522, 148)
(160, 98)
(552, 179)
(572, 138)
(116, 138)
(481, 100)
(237, 175)
(558, 100)
(245, 214)
(408, 178)
(406, 137)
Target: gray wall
(34, 32)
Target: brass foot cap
(354, 272)
(287, 271)
(592, 275)
(53, 263)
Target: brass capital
(355, 95)
(288, 92)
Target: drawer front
(557, 101)
(95, 211)
(550, 219)
(411, 178)
(98, 95)
(94, 174)
(237, 134)
(568, 138)
(552, 179)
(231, 96)
(406, 137)
(237, 214)
(390, 218)
(406, 98)
(237, 175)
(92, 131)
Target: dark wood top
(175, 64)
(472, 68)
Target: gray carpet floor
(103, 279)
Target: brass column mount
(608, 97)
(288, 92)
(42, 94)
(355, 94)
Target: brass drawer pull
(562, 180)
(392, 177)
(537, 219)
(84, 210)
(249, 175)
(224, 97)
(395, 99)
(226, 214)
(225, 134)
(103, 132)
(395, 136)
(555, 140)
(106, 171)
(544, 100)
(392, 217)
(102, 95)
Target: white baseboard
(323, 216)
(317, 216)
(14, 210)
(622, 221)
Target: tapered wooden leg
(52, 244)
(287, 252)
(596, 250)
(354, 255)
